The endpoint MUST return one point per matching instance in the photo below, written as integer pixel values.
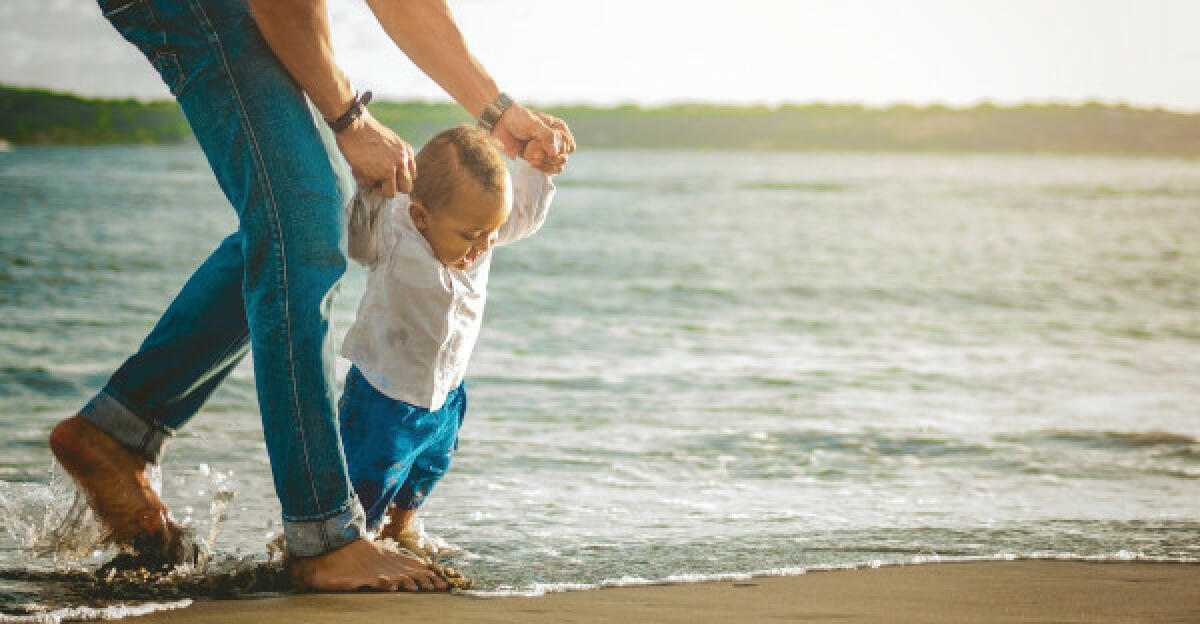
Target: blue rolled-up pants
(267, 287)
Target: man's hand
(520, 128)
(537, 157)
(378, 157)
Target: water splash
(59, 541)
(52, 520)
(223, 489)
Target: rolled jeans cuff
(111, 416)
(309, 538)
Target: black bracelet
(357, 108)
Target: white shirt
(418, 319)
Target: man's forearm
(427, 33)
(298, 33)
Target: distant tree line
(36, 116)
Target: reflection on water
(705, 363)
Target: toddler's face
(465, 228)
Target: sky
(876, 52)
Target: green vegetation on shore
(44, 117)
(34, 116)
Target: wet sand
(1014, 591)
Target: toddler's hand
(564, 143)
(536, 155)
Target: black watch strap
(356, 110)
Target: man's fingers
(540, 131)
(412, 163)
(389, 186)
(537, 157)
(564, 133)
(406, 168)
(568, 138)
(560, 126)
(403, 181)
(551, 141)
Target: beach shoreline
(991, 591)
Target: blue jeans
(396, 452)
(267, 287)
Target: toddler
(428, 254)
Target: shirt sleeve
(364, 226)
(532, 192)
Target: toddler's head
(461, 196)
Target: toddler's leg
(429, 466)
(380, 437)
(400, 527)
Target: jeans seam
(278, 231)
(322, 517)
(165, 51)
(157, 23)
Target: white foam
(111, 612)
(541, 589)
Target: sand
(1002, 591)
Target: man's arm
(425, 30)
(298, 33)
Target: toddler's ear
(419, 215)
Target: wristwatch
(491, 115)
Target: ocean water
(705, 364)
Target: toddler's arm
(363, 225)
(532, 192)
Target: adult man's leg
(197, 342)
(255, 127)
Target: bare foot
(398, 526)
(116, 486)
(363, 564)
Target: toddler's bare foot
(115, 483)
(363, 564)
(399, 528)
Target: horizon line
(771, 104)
